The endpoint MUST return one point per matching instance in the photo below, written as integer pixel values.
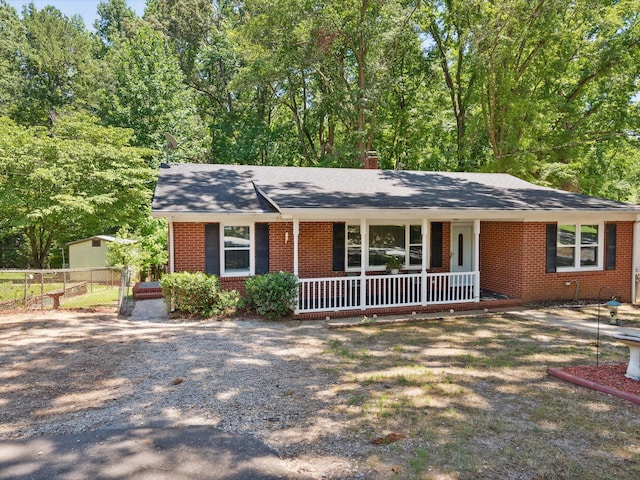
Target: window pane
(236, 260)
(589, 234)
(589, 256)
(566, 257)
(415, 255)
(353, 235)
(236, 237)
(566, 234)
(385, 241)
(354, 240)
(415, 234)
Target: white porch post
(476, 260)
(171, 247)
(296, 233)
(363, 264)
(425, 264)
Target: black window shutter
(338, 246)
(262, 248)
(436, 244)
(212, 248)
(610, 242)
(552, 247)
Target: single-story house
(92, 252)
(465, 240)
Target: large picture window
(383, 243)
(236, 250)
(578, 247)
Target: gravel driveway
(72, 372)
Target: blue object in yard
(613, 305)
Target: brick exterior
(512, 262)
(512, 259)
(315, 250)
(537, 285)
(281, 247)
(188, 241)
(501, 257)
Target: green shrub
(272, 295)
(197, 293)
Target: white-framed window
(579, 246)
(383, 242)
(236, 254)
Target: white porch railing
(383, 291)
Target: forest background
(546, 90)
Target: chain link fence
(65, 288)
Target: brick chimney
(371, 160)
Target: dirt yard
(448, 399)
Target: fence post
(125, 276)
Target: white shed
(92, 251)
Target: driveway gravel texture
(455, 398)
(72, 372)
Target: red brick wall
(188, 241)
(315, 250)
(541, 286)
(501, 256)
(233, 283)
(512, 259)
(281, 247)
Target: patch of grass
(337, 347)
(419, 460)
(491, 411)
(17, 292)
(100, 297)
(332, 371)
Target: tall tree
(75, 179)
(116, 20)
(145, 92)
(450, 27)
(11, 44)
(328, 63)
(199, 33)
(56, 64)
(542, 83)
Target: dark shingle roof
(240, 189)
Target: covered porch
(366, 283)
(370, 292)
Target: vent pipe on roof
(371, 160)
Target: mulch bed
(605, 378)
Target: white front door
(461, 248)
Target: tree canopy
(69, 181)
(547, 90)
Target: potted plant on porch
(394, 264)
